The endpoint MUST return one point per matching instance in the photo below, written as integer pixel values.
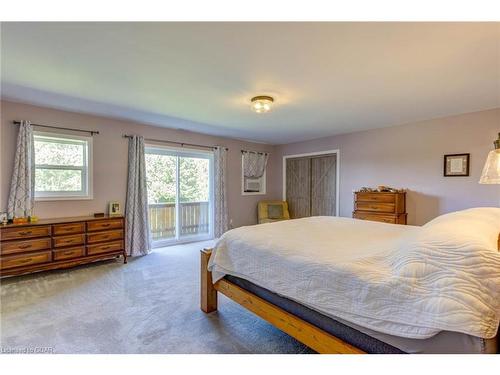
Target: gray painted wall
(110, 161)
(411, 156)
(407, 156)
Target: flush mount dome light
(262, 103)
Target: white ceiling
(327, 78)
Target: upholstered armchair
(270, 211)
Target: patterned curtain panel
(220, 167)
(254, 164)
(22, 186)
(138, 240)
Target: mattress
(409, 282)
(371, 341)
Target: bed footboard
(208, 293)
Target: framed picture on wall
(456, 165)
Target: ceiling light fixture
(262, 103)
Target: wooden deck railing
(194, 218)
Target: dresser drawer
(75, 239)
(13, 261)
(25, 232)
(93, 226)
(375, 207)
(375, 197)
(105, 247)
(11, 247)
(105, 236)
(69, 253)
(391, 219)
(70, 228)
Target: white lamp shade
(491, 170)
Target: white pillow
(479, 225)
(451, 240)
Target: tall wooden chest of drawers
(59, 243)
(380, 206)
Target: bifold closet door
(323, 185)
(298, 187)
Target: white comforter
(401, 280)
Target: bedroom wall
(110, 161)
(411, 156)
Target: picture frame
(456, 165)
(114, 209)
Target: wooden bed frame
(306, 333)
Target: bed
(342, 285)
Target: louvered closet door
(298, 187)
(323, 185)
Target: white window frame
(182, 152)
(87, 171)
(262, 182)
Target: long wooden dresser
(59, 243)
(380, 206)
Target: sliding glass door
(179, 195)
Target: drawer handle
(25, 233)
(105, 247)
(26, 260)
(26, 246)
(69, 252)
(106, 225)
(106, 236)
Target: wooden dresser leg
(124, 257)
(208, 293)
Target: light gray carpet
(150, 305)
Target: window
(179, 194)
(252, 185)
(62, 166)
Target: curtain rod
(256, 152)
(182, 144)
(91, 132)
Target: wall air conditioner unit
(253, 185)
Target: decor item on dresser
(22, 187)
(456, 165)
(384, 206)
(59, 243)
(138, 240)
(114, 209)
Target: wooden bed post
(208, 293)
